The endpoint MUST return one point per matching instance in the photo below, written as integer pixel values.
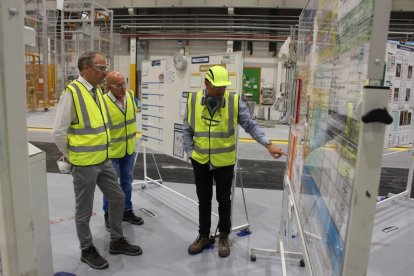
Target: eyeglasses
(101, 67)
(118, 85)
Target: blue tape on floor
(64, 274)
(244, 232)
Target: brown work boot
(122, 246)
(224, 245)
(199, 244)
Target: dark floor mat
(253, 173)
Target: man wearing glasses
(122, 111)
(209, 133)
(81, 132)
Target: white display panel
(164, 96)
(334, 62)
(399, 78)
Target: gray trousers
(84, 181)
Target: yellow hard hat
(218, 76)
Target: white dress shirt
(122, 105)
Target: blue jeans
(124, 168)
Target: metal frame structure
(289, 216)
(283, 246)
(289, 65)
(84, 26)
(159, 182)
(39, 55)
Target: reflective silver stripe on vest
(193, 106)
(133, 106)
(214, 151)
(85, 131)
(121, 125)
(82, 104)
(218, 134)
(131, 135)
(231, 113)
(214, 134)
(119, 139)
(87, 148)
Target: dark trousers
(223, 177)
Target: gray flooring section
(392, 248)
(166, 236)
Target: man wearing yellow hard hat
(209, 130)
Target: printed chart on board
(332, 66)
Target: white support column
(365, 187)
(17, 244)
(230, 11)
(230, 46)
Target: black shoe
(91, 257)
(122, 246)
(132, 218)
(107, 226)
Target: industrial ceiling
(222, 23)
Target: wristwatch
(269, 142)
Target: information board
(165, 88)
(399, 78)
(333, 58)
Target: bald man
(122, 109)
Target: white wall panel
(199, 47)
(165, 48)
(406, 5)
(260, 49)
(169, 3)
(121, 64)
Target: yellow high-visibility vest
(88, 139)
(123, 127)
(214, 136)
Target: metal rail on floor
(289, 214)
(159, 182)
